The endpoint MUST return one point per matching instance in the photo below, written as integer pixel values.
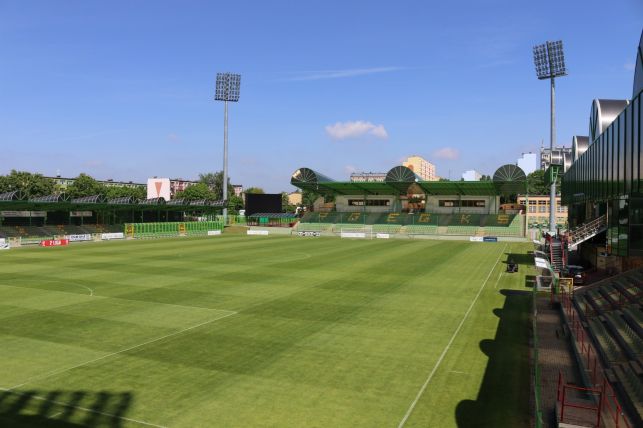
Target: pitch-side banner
(257, 232)
(78, 238)
(214, 232)
(23, 213)
(353, 235)
(54, 242)
(108, 236)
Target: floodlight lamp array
(227, 87)
(549, 60)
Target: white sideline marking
(60, 403)
(495, 286)
(446, 348)
(63, 370)
(458, 372)
(91, 292)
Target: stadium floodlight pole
(550, 63)
(227, 89)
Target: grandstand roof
(399, 181)
(14, 201)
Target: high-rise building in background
(471, 175)
(528, 162)
(421, 167)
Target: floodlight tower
(227, 89)
(550, 63)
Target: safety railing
(608, 403)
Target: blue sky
(124, 89)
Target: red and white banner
(54, 242)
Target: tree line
(209, 187)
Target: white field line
(91, 292)
(60, 403)
(495, 286)
(446, 348)
(66, 369)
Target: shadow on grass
(520, 258)
(63, 409)
(530, 281)
(503, 398)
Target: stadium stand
(416, 224)
(609, 313)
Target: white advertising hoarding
(77, 238)
(108, 236)
(257, 232)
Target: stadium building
(404, 204)
(603, 188)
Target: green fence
(168, 229)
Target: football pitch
(242, 331)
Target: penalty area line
(66, 369)
(448, 346)
(85, 409)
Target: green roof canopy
(400, 179)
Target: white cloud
(337, 74)
(629, 66)
(356, 129)
(448, 153)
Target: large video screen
(263, 203)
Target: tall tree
(214, 180)
(536, 183)
(124, 191)
(255, 190)
(28, 183)
(196, 192)
(85, 185)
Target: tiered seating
(462, 230)
(631, 340)
(612, 310)
(605, 340)
(631, 384)
(9, 232)
(314, 227)
(417, 229)
(386, 228)
(417, 223)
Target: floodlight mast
(227, 89)
(549, 60)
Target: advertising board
(382, 236)
(78, 238)
(108, 236)
(304, 233)
(353, 235)
(54, 242)
(257, 232)
(214, 232)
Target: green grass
(264, 331)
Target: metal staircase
(586, 231)
(556, 255)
